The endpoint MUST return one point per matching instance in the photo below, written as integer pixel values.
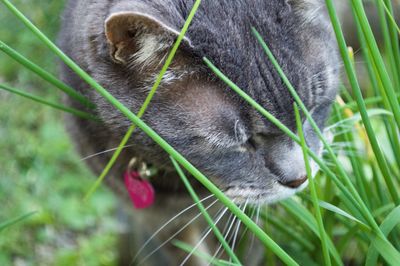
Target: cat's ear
(138, 38)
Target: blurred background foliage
(39, 169)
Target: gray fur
(195, 112)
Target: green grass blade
(13, 221)
(388, 252)
(387, 208)
(388, 224)
(302, 215)
(369, 101)
(389, 51)
(44, 75)
(322, 234)
(394, 35)
(289, 232)
(207, 217)
(188, 248)
(355, 118)
(51, 104)
(389, 13)
(341, 212)
(356, 163)
(147, 101)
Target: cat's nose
(294, 183)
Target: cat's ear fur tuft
(138, 38)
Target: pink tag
(140, 190)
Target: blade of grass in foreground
(389, 12)
(188, 248)
(334, 209)
(394, 34)
(389, 49)
(303, 215)
(261, 235)
(358, 170)
(51, 104)
(320, 223)
(147, 101)
(290, 232)
(44, 74)
(388, 224)
(209, 220)
(11, 222)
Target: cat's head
(240, 150)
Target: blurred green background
(39, 169)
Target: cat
(122, 44)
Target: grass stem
(37, 99)
(314, 196)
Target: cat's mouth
(262, 195)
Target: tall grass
(354, 207)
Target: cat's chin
(259, 196)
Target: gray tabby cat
(123, 44)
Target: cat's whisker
(226, 232)
(238, 227)
(175, 234)
(169, 221)
(253, 211)
(104, 152)
(257, 222)
(233, 224)
(203, 238)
